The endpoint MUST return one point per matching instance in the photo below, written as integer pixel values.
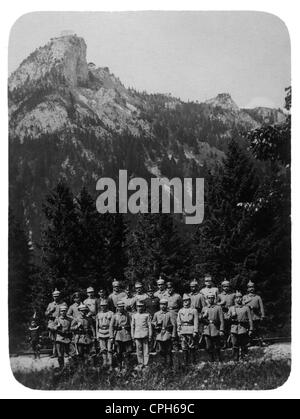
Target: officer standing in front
(213, 320)
(241, 326)
(255, 303)
(52, 312)
(226, 300)
(188, 328)
(141, 332)
(61, 327)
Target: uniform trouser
(123, 350)
(164, 348)
(257, 333)
(227, 326)
(239, 342)
(212, 344)
(36, 348)
(62, 349)
(188, 345)
(84, 350)
(142, 351)
(105, 346)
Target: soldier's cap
(194, 282)
(63, 307)
(115, 283)
(150, 287)
(208, 279)
(250, 284)
(103, 303)
(83, 307)
(226, 283)
(238, 294)
(160, 281)
(120, 304)
(186, 297)
(90, 289)
(56, 293)
(170, 283)
(138, 285)
(140, 303)
(163, 301)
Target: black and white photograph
(149, 242)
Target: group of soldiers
(159, 320)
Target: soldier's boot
(219, 355)
(61, 363)
(171, 362)
(194, 356)
(104, 359)
(54, 352)
(186, 358)
(109, 360)
(211, 355)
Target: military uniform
(241, 324)
(73, 311)
(174, 304)
(188, 328)
(207, 291)
(34, 331)
(114, 298)
(129, 304)
(84, 333)
(151, 305)
(160, 294)
(103, 320)
(226, 300)
(91, 304)
(255, 303)
(213, 321)
(62, 326)
(52, 312)
(165, 329)
(120, 333)
(141, 331)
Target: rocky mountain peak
(225, 101)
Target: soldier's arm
(132, 326)
(92, 328)
(111, 327)
(154, 320)
(149, 326)
(178, 321)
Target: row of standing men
(159, 320)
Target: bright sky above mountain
(192, 55)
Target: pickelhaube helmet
(225, 283)
(138, 285)
(90, 289)
(238, 294)
(115, 283)
(194, 283)
(250, 284)
(63, 307)
(160, 281)
(163, 301)
(186, 297)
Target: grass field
(263, 373)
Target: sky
(192, 55)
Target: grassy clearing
(260, 375)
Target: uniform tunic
(84, 330)
(114, 298)
(151, 305)
(164, 325)
(174, 304)
(141, 326)
(91, 304)
(62, 327)
(160, 294)
(187, 321)
(206, 291)
(129, 304)
(103, 320)
(226, 300)
(197, 301)
(241, 319)
(52, 312)
(254, 302)
(213, 319)
(120, 327)
(73, 311)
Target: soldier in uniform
(102, 297)
(141, 332)
(140, 295)
(115, 296)
(90, 302)
(174, 305)
(84, 333)
(161, 292)
(226, 300)
(129, 300)
(255, 303)
(213, 320)
(188, 328)
(197, 299)
(165, 330)
(62, 326)
(241, 326)
(73, 311)
(103, 320)
(51, 314)
(209, 288)
(119, 333)
(151, 302)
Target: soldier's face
(90, 295)
(101, 293)
(76, 300)
(186, 303)
(138, 290)
(211, 300)
(239, 300)
(55, 298)
(193, 288)
(150, 293)
(128, 292)
(225, 288)
(208, 282)
(116, 288)
(163, 307)
(251, 290)
(170, 289)
(140, 309)
(63, 313)
(161, 287)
